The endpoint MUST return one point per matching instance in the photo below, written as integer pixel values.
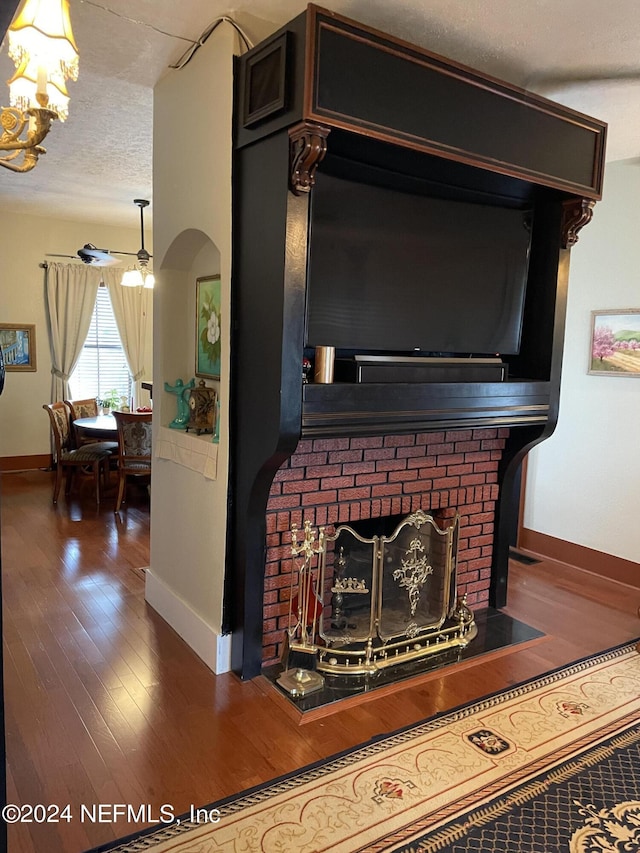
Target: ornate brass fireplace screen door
(387, 600)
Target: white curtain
(71, 291)
(132, 308)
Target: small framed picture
(615, 342)
(18, 343)
(208, 326)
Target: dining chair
(87, 459)
(134, 449)
(87, 409)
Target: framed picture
(615, 342)
(18, 343)
(208, 327)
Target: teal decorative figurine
(216, 431)
(179, 388)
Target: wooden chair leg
(58, 482)
(122, 481)
(69, 478)
(96, 476)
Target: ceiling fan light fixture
(141, 276)
(138, 278)
(132, 278)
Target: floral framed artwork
(615, 342)
(18, 344)
(208, 327)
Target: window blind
(102, 366)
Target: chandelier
(45, 55)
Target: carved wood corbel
(577, 212)
(307, 147)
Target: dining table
(100, 427)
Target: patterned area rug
(550, 765)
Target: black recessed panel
(394, 91)
(265, 82)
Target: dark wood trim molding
(577, 212)
(308, 145)
(587, 559)
(25, 463)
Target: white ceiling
(584, 53)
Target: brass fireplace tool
(305, 608)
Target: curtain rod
(44, 265)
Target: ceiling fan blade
(106, 262)
(90, 254)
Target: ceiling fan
(93, 256)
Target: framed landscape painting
(18, 343)
(208, 327)
(615, 342)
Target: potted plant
(110, 401)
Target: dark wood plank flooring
(105, 703)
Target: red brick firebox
(342, 480)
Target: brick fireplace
(331, 481)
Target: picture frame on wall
(208, 326)
(615, 342)
(18, 344)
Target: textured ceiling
(584, 53)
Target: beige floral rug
(549, 765)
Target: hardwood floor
(105, 703)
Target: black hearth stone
(496, 631)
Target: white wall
(192, 237)
(583, 483)
(25, 242)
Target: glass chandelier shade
(138, 278)
(42, 46)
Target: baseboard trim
(589, 560)
(213, 648)
(25, 463)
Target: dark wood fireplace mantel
(327, 93)
(379, 408)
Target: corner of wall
(211, 647)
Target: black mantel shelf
(374, 408)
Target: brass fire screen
(386, 600)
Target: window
(102, 366)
